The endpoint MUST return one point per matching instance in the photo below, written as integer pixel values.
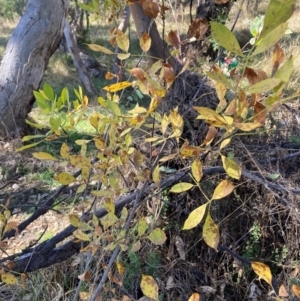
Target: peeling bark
(32, 43)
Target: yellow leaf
(121, 268)
(81, 188)
(44, 156)
(209, 114)
(157, 236)
(221, 91)
(189, 150)
(145, 42)
(156, 174)
(109, 206)
(103, 193)
(164, 124)
(296, 290)
(109, 220)
(247, 127)
(211, 234)
(122, 41)
(117, 87)
(123, 56)
(100, 143)
(195, 217)
(99, 48)
(94, 121)
(180, 187)
(74, 220)
(64, 151)
(262, 271)
(176, 119)
(84, 296)
(167, 158)
(9, 278)
(80, 161)
(225, 142)
(149, 287)
(136, 246)
(197, 170)
(64, 178)
(194, 297)
(80, 235)
(142, 226)
(224, 188)
(231, 168)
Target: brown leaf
(282, 291)
(260, 113)
(211, 134)
(197, 29)
(169, 74)
(138, 73)
(150, 8)
(251, 75)
(296, 290)
(277, 58)
(173, 38)
(109, 75)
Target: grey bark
(32, 43)
(80, 67)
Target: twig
(118, 248)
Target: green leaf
(220, 78)
(49, 92)
(142, 226)
(180, 187)
(30, 137)
(86, 7)
(195, 217)
(264, 85)
(114, 108)
(157, 236)
(34, 125)
(278, 12)
(270, 39)
(285, 71)
(41, 100)
(225, 38)
(27, 146)
(55, 123)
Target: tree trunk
(158, 49)
(32, 43)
